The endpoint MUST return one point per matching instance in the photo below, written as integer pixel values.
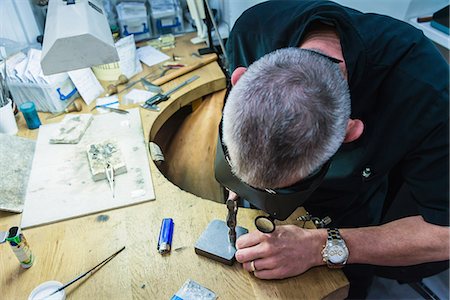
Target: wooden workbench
(65, 249)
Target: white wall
(399, 9)
(17, 21)
(234, 8)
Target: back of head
(285, 117)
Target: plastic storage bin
(137, 26)
(133, 19)
(167, 16)
(46, 97)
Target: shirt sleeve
(426, 172)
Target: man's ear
(355, 129)
(237, 73)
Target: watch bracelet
(332, 234)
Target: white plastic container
(46, 97)
(139, 27)
(133, 19)
(8, 123)
(167, 16)
(43, 290)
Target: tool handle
(121, 80)
(76, 106)
(184, 70)
(111, 90)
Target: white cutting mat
(61, 185)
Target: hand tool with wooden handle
(75, 106)
(112, 88)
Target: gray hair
(285, 117)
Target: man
(364, 91)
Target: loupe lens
(265, 224)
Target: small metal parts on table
(151, 104)
(106, 162)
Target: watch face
(337, 254)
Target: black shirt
(399, 87)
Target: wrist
(319, 239)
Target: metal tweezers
(112, 109)
(109, 171)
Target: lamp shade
(76, 36)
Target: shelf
(432, 33)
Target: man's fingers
(232, 195)
(269, 274)
(260, 264)
(250, 253)
(248, 240)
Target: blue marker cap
(165, 236)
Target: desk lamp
(77, 35)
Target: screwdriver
(75, 106)
(151, 103)
(112, 88)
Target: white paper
(127, 55)
(136, 96)
(56, 79)
(111, 101)
(138, 66)
(19, 70)
(87, 84)
(11, 63)
(150, 56)
(33, 68)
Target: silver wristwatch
(335, 252)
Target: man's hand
(286, 252)
(232, 195)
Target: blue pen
(165, 236)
